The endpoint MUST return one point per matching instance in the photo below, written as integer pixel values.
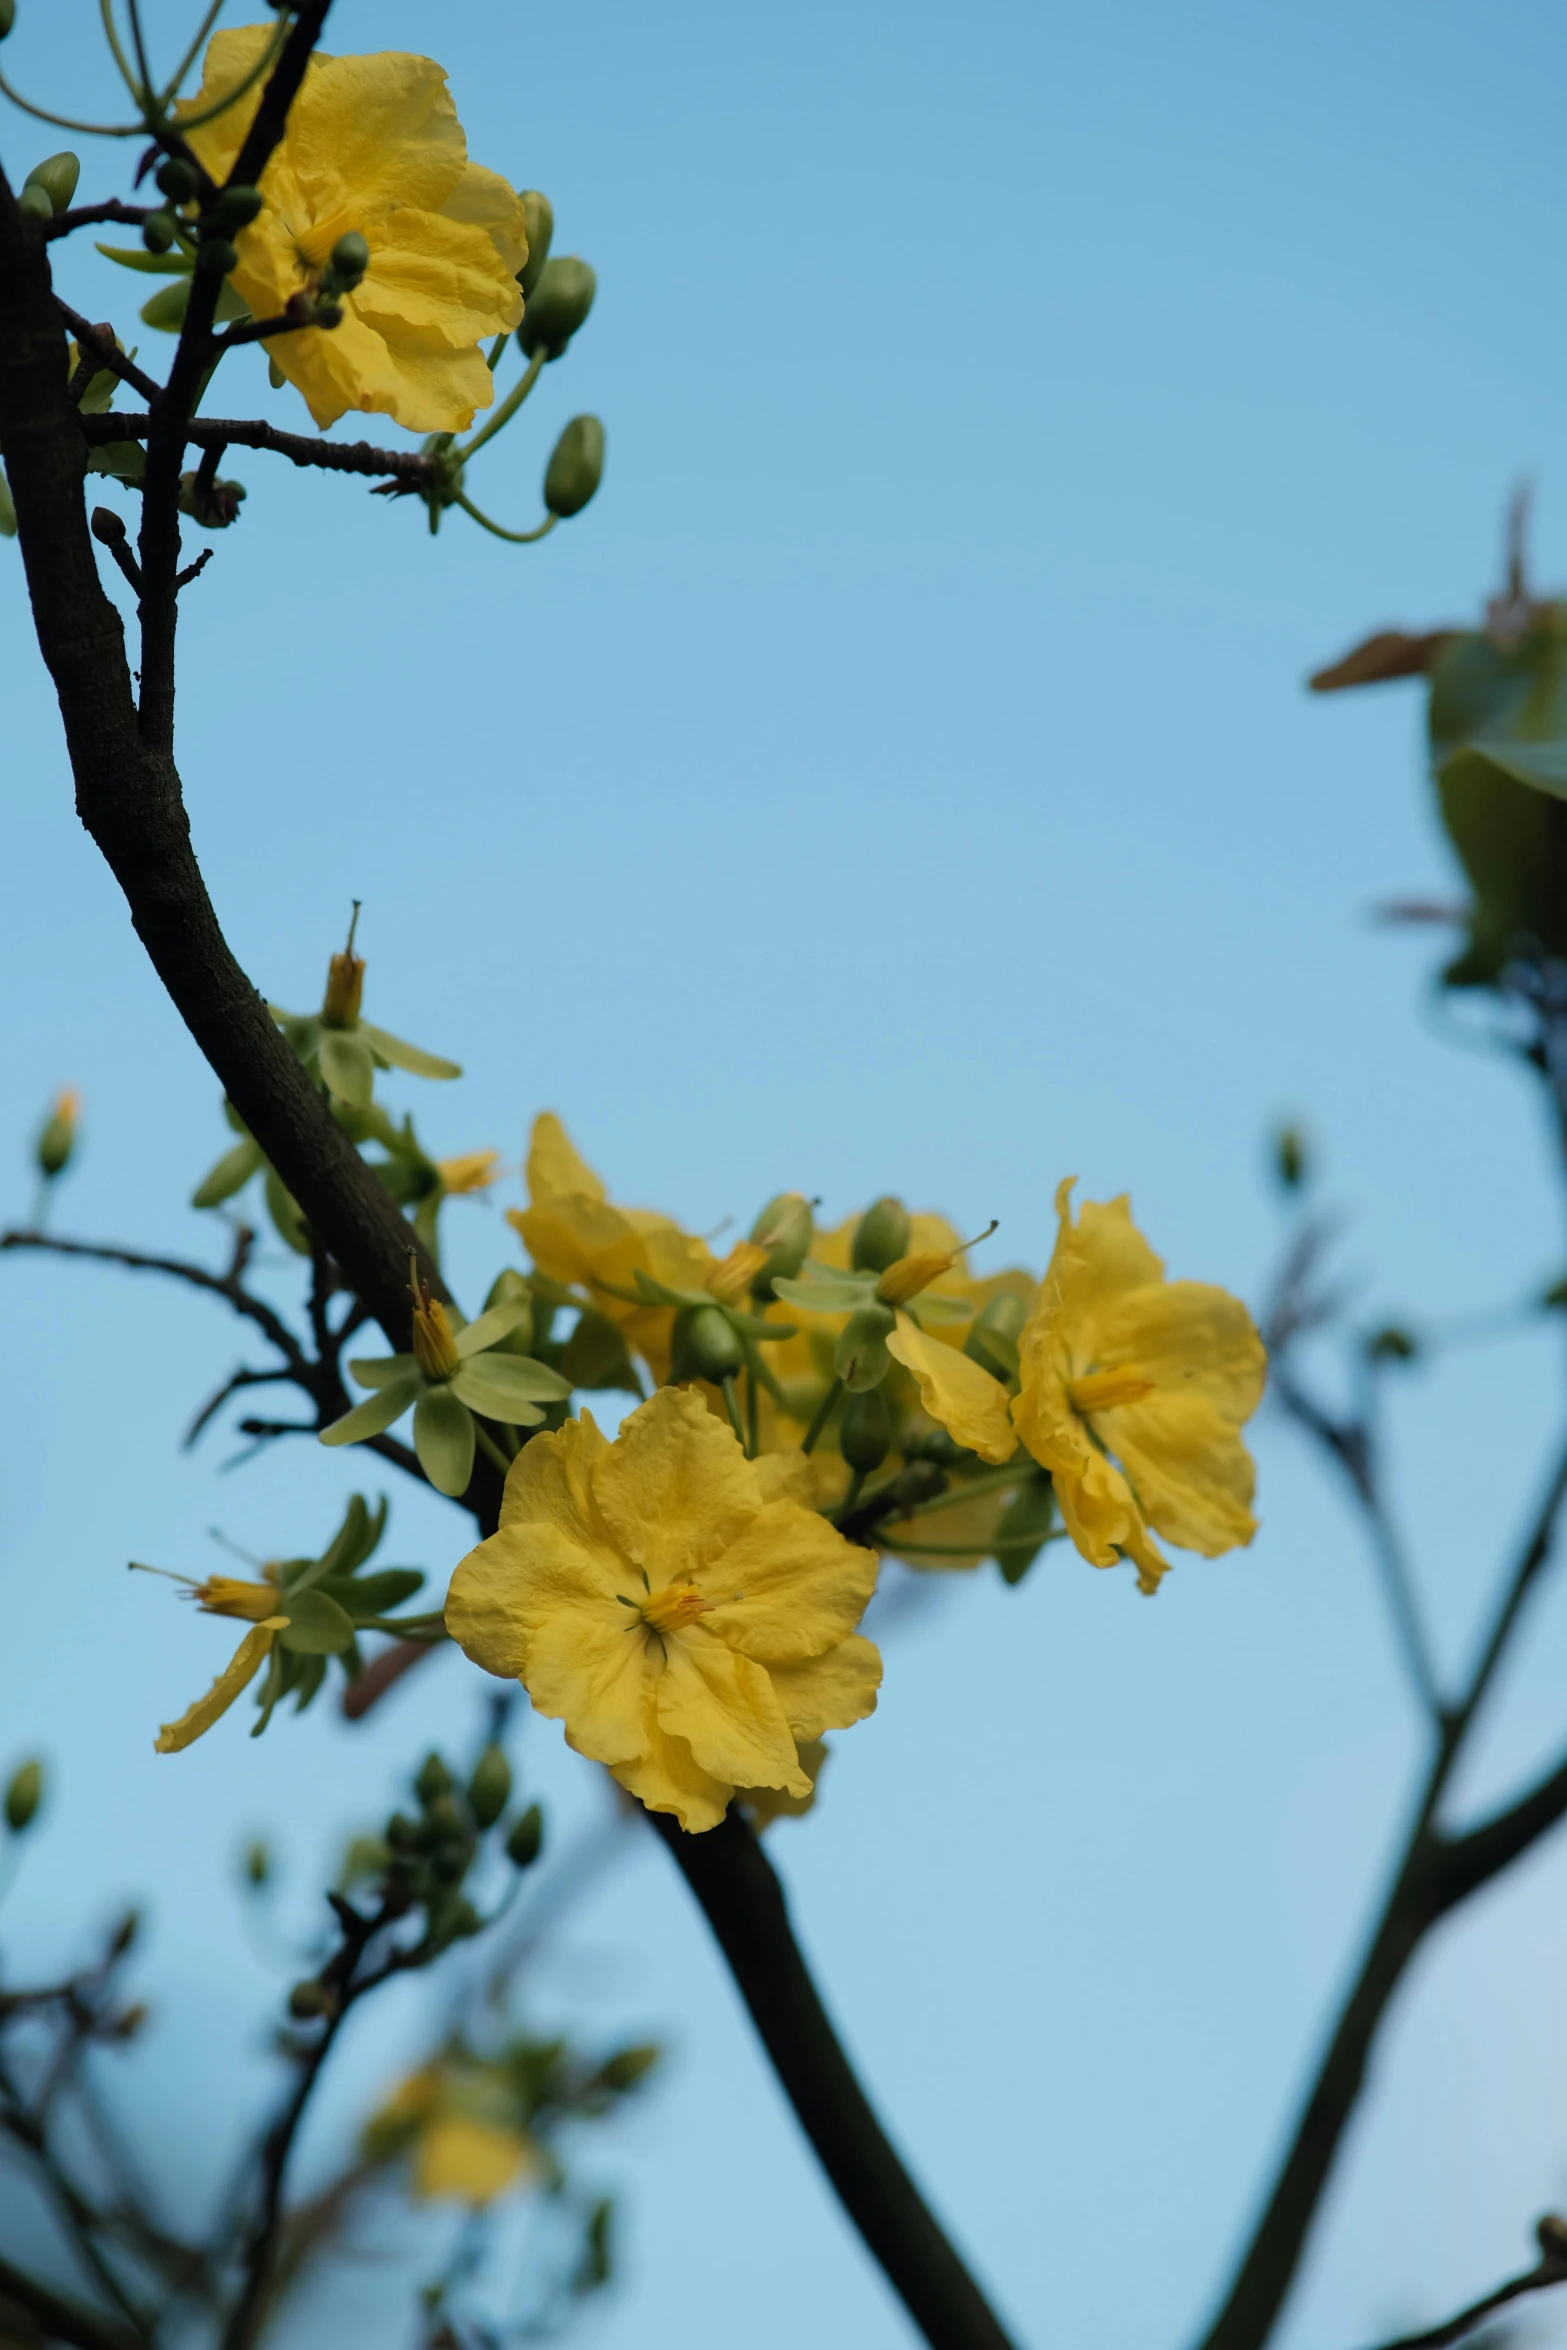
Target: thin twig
(225, 1285)
(407, 465)
(1534, 2280)
(90, 215)
(107, 353)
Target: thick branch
(206, 432)
(743, 1902)
(89, 215)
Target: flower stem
(490, 1448)
(508, 407)
(518, 538)
(824, 1412)
(732, 1407)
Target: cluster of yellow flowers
(684, 1601)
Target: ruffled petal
(667, 1777)
(957, 1392)
(723, 1706)
(1193, 1475)
(675, 1490)
(789, 1587)
(1190, 1338)
(829, 1692)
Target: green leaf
(284, 1210)
(444, 1440)
(399, 1055)
(232, 1172)
(377, 1595)
(499, 1386)
(827, 1292)
(381, 1370)
(375, 1413)
(1511, 836)
(490, 1327)
(174, 263)
(347, 1067)
(317, 1626)
(312, 1672)
(165, 311)
(121, 460)
(1024, 1528)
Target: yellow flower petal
(789, 1587)
(957, 1392)
(470, 2161)
(674, 1488)
(723, 1706)
(829, 1692)
(242, 1668)
(668, 1777)
(766, 1804)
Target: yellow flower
(373, 144)
(458, 2149)
(469, 1171)
(1133, 1394)
(236, 1675)
(673, 1604)
(574, 1236)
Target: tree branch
(89, 216)
(62, 2319)
(227, 1285)
(99, 343)
(205, 432)
(1552, 2270)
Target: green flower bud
(562, 298)
(401, 1834)
(232, 209)
(860, 1358)
(710, 1347)
(57, 176)
(1020, 1536)
(350, 258)
(177, 179)
(881, 1236)
(865, 1431)
(33, 203)
(539, 217)
(489, 1790)
(57, 1136)
(1392, 1344)
(23, 1795)
(215, 257)
(526, 1840)
(257, 1864)
(157, 231)
(308, 2001)
(992, 1342)
(329, 314)
(7, 17)
(626, 2067)
(576, 467)
(434, 1781)
(1291, 1157)
(785, 1228)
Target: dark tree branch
(61, 2318)
(90, 215)
(205, 432)
(1552, 2270)
(227, 1286)
(99, 343)
(743, 1902)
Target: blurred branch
(60, 2318)
(1551, 2269)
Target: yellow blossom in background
(1134, 1391)
(373, 145)
(575, 1236)
(458, 2151)
(674, 1604)
(469, 1171)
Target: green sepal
(272, 1687)
(232, 1172)
(348, 1549)
(1024, 1528)
(378, 1594)
(7, 508)
(174, 263)
(382, 1370)
(376, 1413)
(757, 1325)
(658, 1293)
(284, 1210)
(932, 1311)
(316, 1626)
(596, 1356)
(121, 460)
(494, 1324)
(398, 1055)
(312, 1672)
(822, 1290)
(347, 1067)
(444, 1440)
(504, 1387)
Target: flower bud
(23, 1795)
(350, 259)
(562, 298)
(1392, 1344)
(992, 1343)
(215, 257)
(7, 17)
(157, 231)
(434, 1781)
(860, 1358)
(526, 1840)
(214, 504)
(327, 314)
(307, 2001)
(710, 1347)
(57, 1136)
(56, 176)
(865, 1431)
(33, 203)
(1291, 1157)
(257, 1863)
(1550, 2233)
(626, 2067)
(539, 220)
(177, 179)
(881, 1236)
(489, 1790)
(576, 467)
(785, 1228)
(232, 209)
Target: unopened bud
(562, 297)
(489, 1790)
(434, 1781)
(178, 179)
(526, 1840)
(328, 314)
(232, 209)
(1392, 1344)
(576, 467)
(626, 2067)
(1291, 1158)
(785, 1228)
(157, 231)
(1550, 2233)
(860, 1358)
(125, 1934)
(307, 2001)
(881, 1236)
(539, 219)
(258, 1863)
(710, 1346)
(350, 259)
(865, 1431)
(56, 177)
(23, 1795)
(130, 2020)
(57, 1136)
(215, 257)
(992, 1342)
(7, 17)
(33, 203)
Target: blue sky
(899, 778)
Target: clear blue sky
(900, 778)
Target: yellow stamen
(913, 1273)
(733, 1275)
(673, 1608)
(345, 983)
(227, 1595)
(1103, 1391)
(435, 1349)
